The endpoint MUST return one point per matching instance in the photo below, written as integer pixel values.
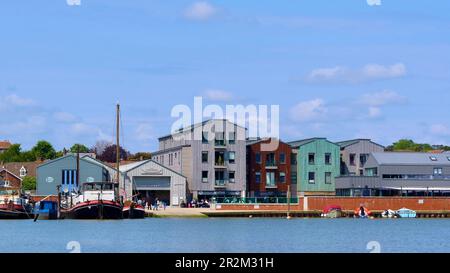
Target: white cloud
(374, 112)
(218, 95)
(309, 110)
(369, 72)
(15, 100)
(200, 11)
(382, 98)
(373, 2)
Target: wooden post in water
(289, 202)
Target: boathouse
(150, 180)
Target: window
(283, 158)
(23, 172)
(437, 171)
(231, 157)
(204, 157)
(231, 177)
(205, 138)
(352, 159)
(293, 178)
(205, 176)
(258, 158)
(372, 172)
(258, 177)
(361, 172)
(270, 179)
(69, 177)
(270, 160)
(293, 159)
(433, 158)
(311, 158)
(219, 140)
(220, 159)
(311, 178)
(328, 159)
(283, 177)
(232, 138)
(363, 159)
(327, 178)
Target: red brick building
(9, 181)
(4, 145)
(268, 170)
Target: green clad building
(317, 164)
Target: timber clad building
(354, 155)
(211, 155)
(268, 172)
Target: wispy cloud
(307, 111)
(218, 95)
(375, 101)
(369, 72)
(200, 11)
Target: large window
(258, 177)
(270, 159)
(232, 138)
(372, 172)
(328, 159)
(231, 157)
(69, 178)
(327, 178)
(231, 177)
(219, 159)
(363, 159)
(293, 159)
(205, 138)
(204, 157)
(282, 177)
(282, 158)
(352, 159)
(437, 171)
(205, 176)
(270, 179)
(258, 158)
(311, 158)
(311, 177)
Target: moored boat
(406, 213)
(46, 210)
(133, 211)
(97, 201)
(332, 212)
(15, 207)
(362, 212)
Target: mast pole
(118, 144)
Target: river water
(230, 235)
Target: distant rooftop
(5, 144)
(350, 142)
(405, 158)
(298, 143)
(191, 127)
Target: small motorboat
(362, 213)
(389, 214)
(46, 210)
(406, 213)
(332, 212)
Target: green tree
(44, 150)
(82, 148)
(13, 154)
(29, 183)
(140, 156)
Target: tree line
(44, 150)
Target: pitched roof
(347, 143)
(15, 167)
(11, 173)
(405, 158)
(253, 141)
(5, 144)
(132, 166)
(298, 143)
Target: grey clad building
(211, 155)
(400, 174)
(63, 172)
(355, 153)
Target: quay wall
(350, 203)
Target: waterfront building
(268, 170)
(211, 155)
(63, 172)
(22, 169)
(315, 164)
(400, 174)
(9, 181)
(355, 153)
(150, 180)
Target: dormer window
(433, 158)
(23, 172)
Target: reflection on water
(227, 235)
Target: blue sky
(338, 69)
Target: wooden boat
(15, 207)
(362, 213)
(133, 211)
(97, 201)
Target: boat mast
(118, 145)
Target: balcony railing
(219, 164)
(220, 183)
(220, 143)
(259, 200)
(271, 164)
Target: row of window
(312, 159)
(270, 178)
(219, 177)
(220, 157)
(173, 157)
(219, 138)
(362, 159)
(312, 178)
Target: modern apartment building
(400, 174)
(268, 170)
(211, 155)
(317, 165)
(355, 153)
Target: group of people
(204, 203)
(155, 205)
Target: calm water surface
(227, 235)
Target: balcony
(220, 165)
(220, 144)
(271, 165)
(220, 184)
